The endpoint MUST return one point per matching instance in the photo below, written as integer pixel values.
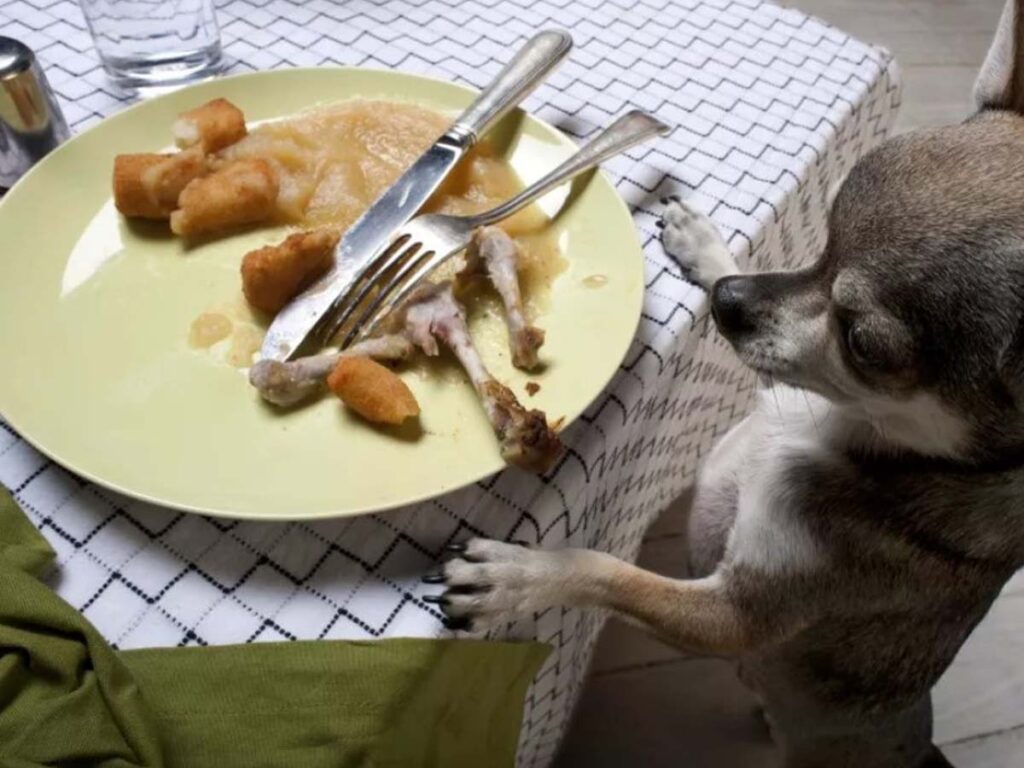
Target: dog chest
(783, 433)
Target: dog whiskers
(879, 427)
(775, 395)
(810, 412)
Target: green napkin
(67, 698)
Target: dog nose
(730, 300)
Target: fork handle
(632, 128)
(520, 76)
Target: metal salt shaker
(31, 123)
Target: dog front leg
(694, 241)
(493, 581)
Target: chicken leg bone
(287, 384)
(433, 314)
(493, 252)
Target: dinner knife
(308, 317)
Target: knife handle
(520, 76)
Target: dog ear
(1000, 83)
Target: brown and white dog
(849, 534)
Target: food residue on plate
(245, 343)
(208, 329)
(318, 172)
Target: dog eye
(856, 342)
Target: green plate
(98, 373)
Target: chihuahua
(847, 536)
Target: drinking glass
(154, 44)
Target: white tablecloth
(771, 108)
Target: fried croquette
(275, 274)
(147, 185)
(243, 192)
(130, 194)
(213, 126)
(373, 391)
(165, 180)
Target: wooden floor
(646, 705)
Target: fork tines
(382, 285)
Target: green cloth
(68, 699)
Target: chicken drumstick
(433, 314)
(494, 253)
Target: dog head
(913, 317)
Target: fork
(429, 240)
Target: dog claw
(457, 549)
(520, 543)
(664, 201)
(659, 224)
(460, 623)
(435, 599)
(437, 577)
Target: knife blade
(306, 320)
(307, 314)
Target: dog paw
(694, 241)
(491, 581)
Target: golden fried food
(147, 185)
(164, 181)
(130, 194)
(212, 126)
(243, 192)
(275, 274)
(373, 391)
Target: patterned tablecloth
(771, 109)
